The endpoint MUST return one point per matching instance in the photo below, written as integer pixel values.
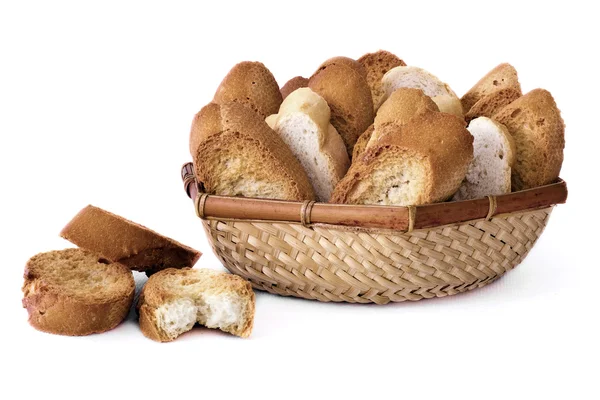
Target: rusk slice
(253, 85)
(75, 292)
(538, 130)
(296, 82)
(501, 77)
(346, 91)
(303, 124)
(493, 157)
(235, 153)
(174, 300)
(491, 103)
(120, 240)
(418, 78)
(425, 162)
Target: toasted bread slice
(75, 292)
(493, 157)
(303, 124)
(376, 65)
(425, 162)
(120, 240)
(174, 300)
(345, 61)
(535, 124)
(400, 108)
(491, 103)
(235, 153)
(502, 76)
(418, 78)
(296, 82)
(346, 91)
(253, 85)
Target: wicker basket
(373, 254)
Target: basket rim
(398, 218)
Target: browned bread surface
(235, 153)
(349, 97)
(538, 130)
(296, 82)
(502, 76)
(201, 291)
(491, 103)
(345, 61)
(75, 292)
(402, 106)
(436, 144)
(253, 85)
(361, 143)
(126, 242)
(376, 65)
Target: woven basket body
(334, 263)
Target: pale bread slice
(418, 78)
(174, 300)
(76, 292)
(425, 162)
(303, 124)
(502, 76)
(493, 157)
(235, 153)
(253, 85)
(296, 82)
(348, 95)
(491, 103)
(538, 130)
(376, 65)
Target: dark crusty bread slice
(253, 85)
(235, 153)
(361, 143)
(538, 130)
(126, 242)
(491, 103)
(376, 65)
(75, 292)
(296, 82)
(425, 162)
(349, 97)
(502, 76)
(174, 300)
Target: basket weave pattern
(328, 263)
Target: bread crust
(54, 308)
(438, 139)
(126, 242)
(376, 65)
(349, 97)
(253, 85)
(491, 103)
(219, 128)
(296, 82)
(159, 290)
(538, 130)
(361, 143)
(502, 76)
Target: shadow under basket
(373, 254)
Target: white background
(95, 107)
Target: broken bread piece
(174, 300)
(123, 241)
(75, 292)
(303, 124)
(501, 77)
(493, 157)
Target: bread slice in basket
(501, 77)
(303, 124)
(296, 82)
(76, 292)
(376, 65)
(235, 153)
(421, 162)
(494, 156)
(173, 301)
(120, 240)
